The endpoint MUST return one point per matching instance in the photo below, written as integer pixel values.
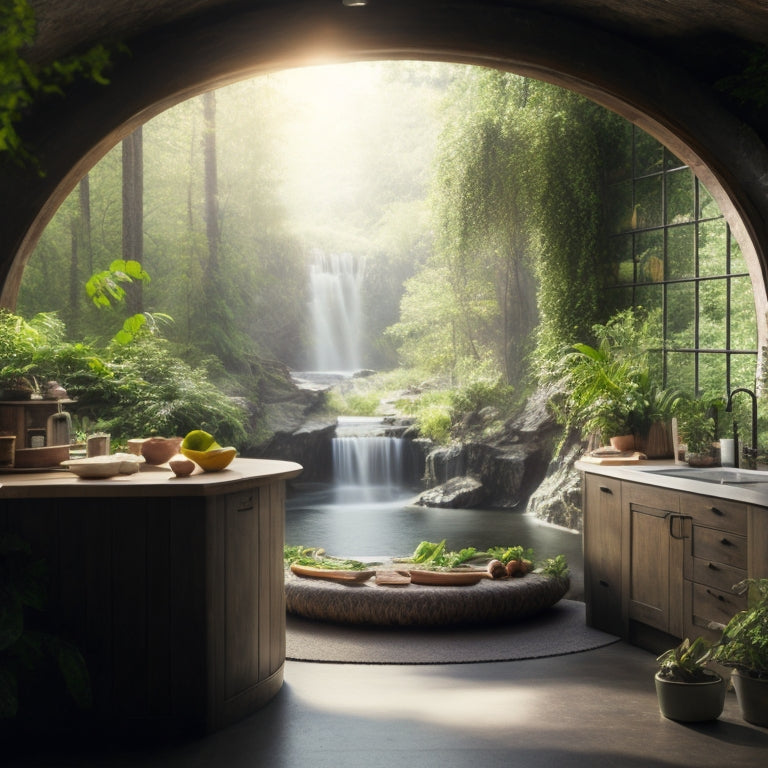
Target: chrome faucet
(749, 453)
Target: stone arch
(170, 64)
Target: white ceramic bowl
(104, 466)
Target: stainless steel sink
(718, 475)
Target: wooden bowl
(35, 458)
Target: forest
(474, 207)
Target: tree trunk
(211, 183)
(133, 213)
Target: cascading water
(336, 282)
(367, 465)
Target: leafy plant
(697, 424)
(744, 642)
(557, 566)
(21, 82)
(434, 422)
(24, 652)
(687, 663)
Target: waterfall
(367, 465)
(335, 283)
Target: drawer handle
(719, 597)
(726, 543)
(712, 567)
(604, 583)
(605, 489)
(716, 511)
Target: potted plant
(686, 688)
(744, 647)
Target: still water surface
(388, 526)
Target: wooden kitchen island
(172, 588)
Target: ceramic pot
(752, 695)
(623, 443)
(691, 702)
(157, 450)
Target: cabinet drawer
(711, 604)
(717, 513)
(718, 546)
(717, 575)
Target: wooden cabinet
(172, 589)
(653, 558)
(715, 560)
(661, 563)
(602, 553)
(26, 417)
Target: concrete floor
(583, 710)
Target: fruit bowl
(212, 460)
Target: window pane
(649, 297)
(648, 208)
(712, 322)
(707, 206)
(681, 250)
(680, 202)
(743, 368)
(681, 315)
(743, 322)
(681, 372)
(737, 259)
(648, 154)
(649, 255)
(712, 374)
(623, 260)
(670, 161)
(712, 247)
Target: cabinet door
(602, 553)
(655, 594)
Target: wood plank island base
(172, 588)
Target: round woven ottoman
(488, 601)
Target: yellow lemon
(213, 459)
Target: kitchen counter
(644, 472)
(663, 553)
(172, 588)
(155, 481)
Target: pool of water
(381, 523)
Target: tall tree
(133, 213)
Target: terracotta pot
(157, 450)
(623, 443)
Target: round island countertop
(150, 481)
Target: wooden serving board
(614, 460)
(446, 578)
(393, 578)
(330, 574)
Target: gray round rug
(559, 630)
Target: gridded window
(673, 255)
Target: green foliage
(149, 392)
(434, 423)
(480, 394)
(105, 288)
(431, 555)
(609, 388)
(556, 566)
(687, 662)
(744, 642)
(22, 82)
(506, 554)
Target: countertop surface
(646, 471)
(150, 481)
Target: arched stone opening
(171, 64)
